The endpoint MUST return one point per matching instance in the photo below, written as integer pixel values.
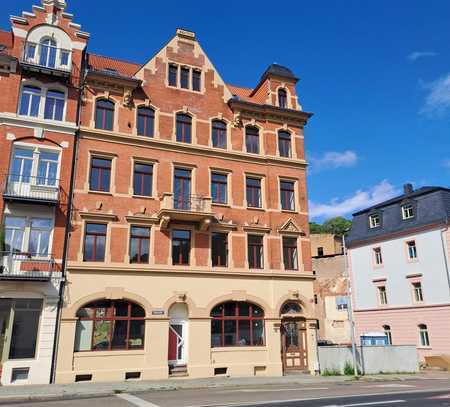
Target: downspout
(445, 253)
(62, 283)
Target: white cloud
(334, 159)
(359, 200)
(438, 99)
(414, 56)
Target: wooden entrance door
(293, 344)
(177, 333)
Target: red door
(173, 341)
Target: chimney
(408, 189)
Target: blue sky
(376, 75)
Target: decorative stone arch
(243, 297)
(156, 111)
(182, 298)
(33, 139)
(295, 296)
(62, 39)
(112, 294)
(193, 116)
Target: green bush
(331, 372)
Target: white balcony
(26, 266)
(31, 189)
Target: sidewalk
(90, 390)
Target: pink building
(399, 258)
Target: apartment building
(189, 252)
(40, 62)
(330, 289)
(399, 254)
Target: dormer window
(407, 211)
(282, 98)
(374, 220)
(184, 77)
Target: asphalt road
(421, 393)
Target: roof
(279, 70)
(244, 94)
(6, 38)
(431, 206)
(103, 63)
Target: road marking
(272, 390)
(390, 385)
(373, 403)
(135, 400)
(443, 396)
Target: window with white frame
(417, 291)
(407, 211)
(374, 220)
(31, 100)
(412, 250)
(382, 295)
(54, 105)
(377, 256)
(388, 333)
(423, 335)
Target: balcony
(26, 267)
(46, 58)
(188, 208)
(27, 188)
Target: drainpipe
(62, 283)
(445, 253)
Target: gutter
(62, 283)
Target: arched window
(219, 134)
(145, 121)
(284, 143)
(104, 114)
(252, 139)
(30, 101)
(54, 105)
(282, 98)
(237, 324)
(388, 333)
(291, 307)
(47, 54)
(184, 128)
(110, 325)
(423, 334)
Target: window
(417, 290)
(316, 299)
(255, 252)
(47, 168)
(341, 302)
(54, 105)
(104, 114)
(173, 74)
(142, 179)
(282, 98)
(287, 195)
(388, 333)
(182, 188)
(290, 253)
(196, 80)
(219, 188)
(110, 325)
(40, 230)
(184, 77)
(291, 307)
(94, 242)
(25, 316)
(382, 295)
(30, 101)
(412, 250)
(284, 143)
(184, 128)
(320, 252)
(253, 191)
(407, 211)
(47, 55)
(423, 334)
(139, 244)
(252, 140)
(14, 228)
(237, 324)
(145, 121)
(219, 249)
(219, 134)
(378, 258)
(100, 177)
(181, 246)
(374, 220)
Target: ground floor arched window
(237, 323)
(110, 325)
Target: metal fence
(30, 188)
(26, 266)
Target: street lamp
(349, 305)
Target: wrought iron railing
(26, 266)
(47, 56)
(31, 188)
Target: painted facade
(40, 71)
(400, 275)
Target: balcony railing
(30, 188)
(26, 266)
(47, 58)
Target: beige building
(330, 289)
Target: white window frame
(382, 295)
(407, 211)
(374, 220)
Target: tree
(315, 228)
(337, 226)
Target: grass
(331, 372)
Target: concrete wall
(370, 359)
